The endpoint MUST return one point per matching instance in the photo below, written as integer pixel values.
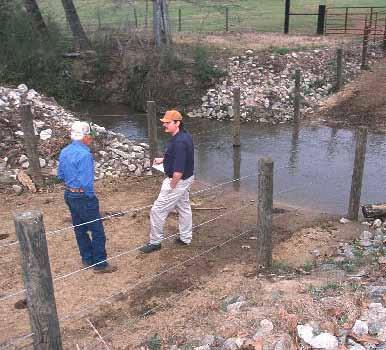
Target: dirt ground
(179, 293)
(361, 103)
(141, 283)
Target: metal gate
(351, 20)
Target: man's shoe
(179, 241)
(86, 264)
(149, 248)
(105, 269)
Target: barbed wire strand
(147, 279)
(11, 295)
(58, 278)
(125, 212)
(190, 259)
(171, 236)
(122, 213)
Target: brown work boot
(105, 269)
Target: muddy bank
(115, 154)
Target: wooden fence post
(384, 37)
(236, 167)
(366, 33)
(375, 27)
(38, 280)
(294, 147)
(356, 183)
(287, 16)
(264, 213)
(146, 12)
(339, 69)
(31, 143)
(152, 129)
(297, 95)
(135, 17)
(321, 19)
(345, 20)
(226, 19)
(179, 20)
(236, 117)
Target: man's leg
(185, 213)
(74, 203)
(98, 242)
(166, 201)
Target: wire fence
(91, 307)
(199, 16)
(87, 308)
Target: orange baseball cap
(171, 115)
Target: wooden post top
(27, 216)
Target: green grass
(201, 15)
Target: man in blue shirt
(76, 169)
(178, 163)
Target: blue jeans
(84, 209)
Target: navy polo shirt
(179, 155)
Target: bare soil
(361, 103)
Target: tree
(81, 41)
(161, 24)
(33, 10)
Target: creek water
(312, 164)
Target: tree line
(161, 23)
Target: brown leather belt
(75, 190)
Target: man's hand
(174, 181)
(158, 160)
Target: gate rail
(352, 20)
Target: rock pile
(347, 324)
(115, 155)
(266, 83)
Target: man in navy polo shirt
(178, 164)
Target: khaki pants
(167, 200)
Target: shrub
(203, 69)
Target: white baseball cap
(79, 130)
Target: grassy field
(201, 15)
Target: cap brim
(164, 120)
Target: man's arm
(86, 176)
(60, 170)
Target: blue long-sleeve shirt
(76, 167)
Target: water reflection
(313, 164)
(294, 152)
(236, 167)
